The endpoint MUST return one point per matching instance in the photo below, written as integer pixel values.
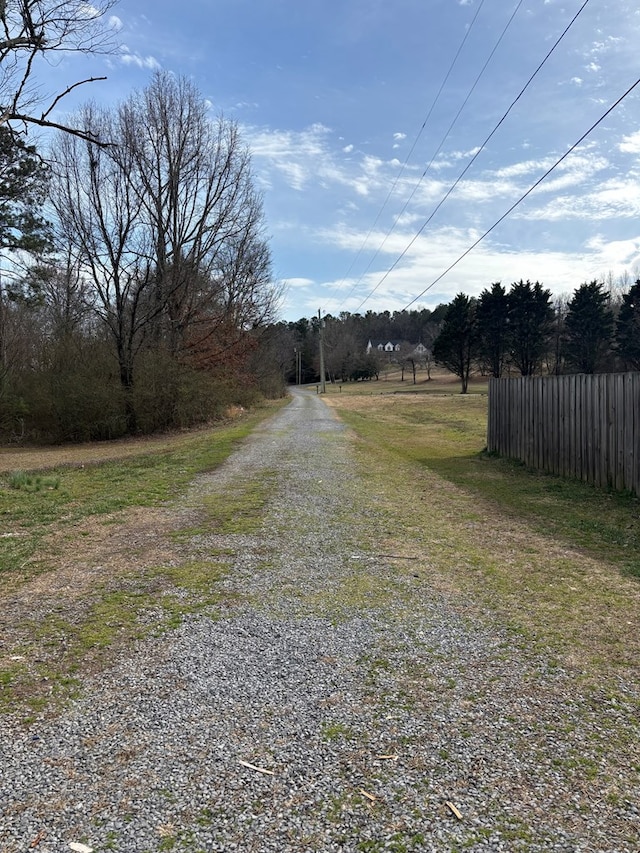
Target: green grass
(32, 482)
(556, 559)
(336, 731)
(447, 436)
(83, 633)
(239, 509)
(147, 480)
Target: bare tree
(168, 227)
(32, 32)
(194, 185)
(98, 215)
(68, 299)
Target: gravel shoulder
(339, 702)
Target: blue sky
(333, 95)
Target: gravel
(371, 713)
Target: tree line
(136, 282)
(521, 330)
(345, 338)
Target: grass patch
(358, 591)
(239, 510)
(149, 479)
(32, 482)
(552, 556)
(65, 645)
(335, 731)
(447, 436)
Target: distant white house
(391, 347)
(384, 346)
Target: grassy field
(92, 554)
(557, 560)
(93, 557)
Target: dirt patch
(91, 453)
(86, 559)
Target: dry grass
(91, 453)
(496, 537)
(88, 567)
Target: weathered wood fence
(585, 427)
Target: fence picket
(580, 426)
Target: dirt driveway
(340, 700)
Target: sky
(361, 115)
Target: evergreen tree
(492, 315)
(456, 345)
(628, 327)
(588, 328)
(530, 321)
(23, 189)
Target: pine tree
(23, 189)
(628, 328)
(456, 345)
(588, 328)
(530, 319)
(492, 315)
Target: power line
(412, 149)
(477, 154)
(528, 192)
(435, 154)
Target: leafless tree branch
(32, 30)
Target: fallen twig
(453, 809)
(367, 795)
(397, 557)
(257, 769)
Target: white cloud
(291, 153)
(630, 144)
(572, 172)
(307, 158)
(527, 167)
(462, 155)
(399, 136)
(298, 282)
(614, 199)
(89, 11)
(451, 158)
(148, 62)
(115, 23)
(577, 81)
(607, 44)
(489, 261)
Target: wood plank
(628, 431)
(620, 420)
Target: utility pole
(321, 334)
(298, 355)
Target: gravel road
(338, 704)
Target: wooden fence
(585, 427)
